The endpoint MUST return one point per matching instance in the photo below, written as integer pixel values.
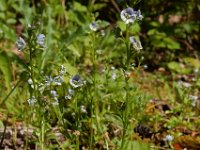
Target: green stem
(34, 92)
(26, 140)
(92, 105)
(4, 132)
(125, 112)
(5, 99)
(77, 122)
(31, 49)
(42, 134)
(91, 129)
(127, 48)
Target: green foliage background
(169, 34)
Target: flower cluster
(21, 44)
(47, 84)
(57, 80)
(128, 15)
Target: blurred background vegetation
(169, 33)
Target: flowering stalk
(34, 95)
(77, 122)
(92, 103)
(127, 48)
(127, 89)
(94, 106)
(129, 16)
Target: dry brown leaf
(188, 142)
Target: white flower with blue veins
(94, 26)
(30, 81)
(58, 80)
(41, 39)
(136, 43)
(21, 44)
(56, 102)
(169, 138)
(76, 81)
(48, 80)
(83, 109)
(70, 94)
(114, 76)
(32, 101)
(62, 70)
(128, 15)
(139, 15)
(53, 93)
(193, 99)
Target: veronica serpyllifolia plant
(129, 16)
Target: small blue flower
(32, 101)
(136, 43)
(48, 80)
(193, 99)
(56, 102)
(62, 70)
(53, 93)
(76, 81)
(58, 80)
(21, 44)
(41, 40)
(169, 138)
(83, 109)
(139, 15)
(128, 15)
(30, 81)
(114, 76)
(70, 94)
(94, 26)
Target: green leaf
(1, 124)
(2, 16)
(74, 49)
(98, 6)
(6, 70)
(155, 24)
(136, 145)
(171, 43)
(8, 32)
(11, 21)
(122, 25)
(152, 32)
(3, 5)
(192, 62)
(178, 68)
(77, 6)
(135, 28)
